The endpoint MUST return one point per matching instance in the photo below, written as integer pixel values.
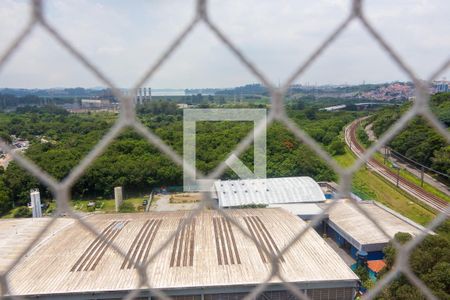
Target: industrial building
(244, 192)
(303, 197)
(210, 258)
(350, 229)
(306, 211)
(95, 103)
(354, 232)
(140, 95)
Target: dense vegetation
(419, 141)
(59, 141)
(430, 261)
(10, 101)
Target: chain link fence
(127, 119)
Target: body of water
(158, 92)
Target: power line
(418, 164)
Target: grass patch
(376, 188)
(9, 215)
(185, 198)
(414, 179)
(106, 206)
(48, 212)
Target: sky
(124, 38)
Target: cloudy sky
(123, 38)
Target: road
(4, 162)
(7, 158)
(414, 190)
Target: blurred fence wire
(127, 119)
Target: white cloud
(124, 38)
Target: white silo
(118, 197)
(36, 203)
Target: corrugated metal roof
(299, 209)
(347, 219)
(268, 191)
(210, 252)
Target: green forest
(130, 161)
(430, 261)
(418, 141)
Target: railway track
(412, 189)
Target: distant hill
(55, 92)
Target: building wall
(340, 293)
(315, 294)
(343, 243)
(374, 255)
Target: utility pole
(398, 172)
(421, 176)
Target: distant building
(182, 105)
(334, 108)
(440, 86)
(95, 103)
(140, 95)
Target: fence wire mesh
(127, 119)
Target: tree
(441, 160)
(430, 261)
(337, 147)
(362, 272)
(298, 104)
(5, 200)
(418, 141)
(310, 114)
(131, 162)
(5, 137)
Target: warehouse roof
(306, 211)
(210, 252)
(360, 231)
(16, 234)
(268, 191)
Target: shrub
(50, 210)
(337, 147)
(126, 207)
(22, 212)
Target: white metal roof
(360, 231)
(268, 191)
(299, 209)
